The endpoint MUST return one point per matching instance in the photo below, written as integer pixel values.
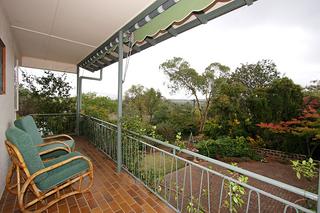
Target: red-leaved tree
(306, 126)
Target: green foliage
(183, 77)
(193, 204)
(255, 76)
(281, 100)
(313, 89)
(235, 191)
(49, 93)
(143, 102)
(226, 147)
(171, 118)
(304, 168)
(99, 107)
(213, 129)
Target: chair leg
(24, 207)
(11, 186)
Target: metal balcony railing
(190, 182)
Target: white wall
(7, 113)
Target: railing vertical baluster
(165, 179)
(208, 191)
(190, 175)
(177, 183)
(170, 183)
(230, 198)
(221, 193)
(200, 191)
(154, 169)
(184, 184)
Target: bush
(227, 147)
(213, 130)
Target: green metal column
(120, 70)
(78, 101)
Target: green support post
(120, 70)
(78, 102)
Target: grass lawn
(161, 163)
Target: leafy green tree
(49, 93)
(313, 89)
(229, 113)
(99, 106)
(282, 100)
(133, 101)
(183, 77)
(152, 99)
(142, 101)
(255, 76)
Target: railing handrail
(256, 176)
(52, 114)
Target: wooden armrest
(58, 136)
(66, 147)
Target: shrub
(213, 130)
(226, 147)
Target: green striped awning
(162, 20)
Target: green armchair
(44, 178)
(48, 147)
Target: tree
(281, 100)
(133, 100)
(306, 126)
(183, 77)
(49, 93)
(152, 99)
(98, 106)
(257, 75)
(229, 111)
(313, 89)
(142, 100)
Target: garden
(236, 116)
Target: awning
(160, 21)
(58, 34)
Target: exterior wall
(7, 113)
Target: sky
(285, 31)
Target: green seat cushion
(28, 150)
(53, 154)
(63, 173)
(28, 125)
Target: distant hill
(185, 101)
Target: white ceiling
(65, 31)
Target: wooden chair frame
(52, 138)
(12, 167)
(25, 181)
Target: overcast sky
(285, 31)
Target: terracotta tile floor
(111, 192)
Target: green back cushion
(28, 125)
(28, 151)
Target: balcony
(160, 177)
(111, 192)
